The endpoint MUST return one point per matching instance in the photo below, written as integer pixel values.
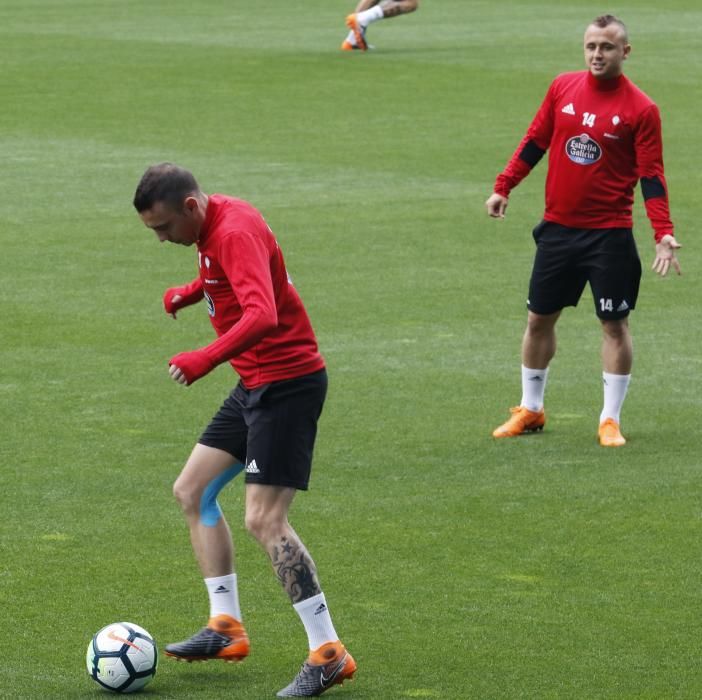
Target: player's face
(173, 224)
(605, 50)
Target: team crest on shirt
(583, 149)
(210, 304)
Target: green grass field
(454, 566)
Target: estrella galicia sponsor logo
(210, 304)
(583, 149)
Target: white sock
(224, 596)
(533, 387)
(368, 16)
(315, 616)
(351, 38)
(615, 386)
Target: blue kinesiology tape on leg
(210, 512)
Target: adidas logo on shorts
(252, 468)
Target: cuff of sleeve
(501, 187)
(194, 365)
(659, 235)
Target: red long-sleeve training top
(602, 137)
(263, 328)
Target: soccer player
(266, 427)
(603, 134)
(369, 11)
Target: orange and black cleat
(326, 666)
(224, 638)
(521, 421)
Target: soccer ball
(122, 657)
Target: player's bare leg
(617, 361)
(538, 349)
(617, 347)
(212, 544)
(267, 520)
(328, 662)
(365, 5)
(393, 8)
(205, 472)
(539, 342)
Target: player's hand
(177, 298)
(496, 206)
(176, 374)
(173, 303)
(665, 256)
(174, 300)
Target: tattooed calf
(295, 569)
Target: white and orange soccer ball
(122, 657)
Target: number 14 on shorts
(606, 305)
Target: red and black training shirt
(264, 330)
(603, 136)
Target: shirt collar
(604, 85)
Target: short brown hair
(605, 20)
(165, 182)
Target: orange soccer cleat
(326, 666)
(224, 638)
(521, 421)
(609, 434)
(359, 32)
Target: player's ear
(190, 204)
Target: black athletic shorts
(271, 429)
(567, 258)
